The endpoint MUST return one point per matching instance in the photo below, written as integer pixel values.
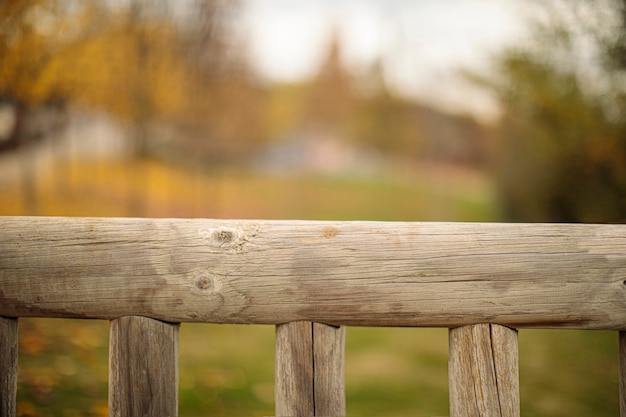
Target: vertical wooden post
(483, 371)
(622, 374)
(294, 370)
(8, 366)
(310, 370)
(143, 368)
(328, 360)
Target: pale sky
(422, 43)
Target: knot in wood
(222, 237)
(204, 282)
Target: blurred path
(86, 135)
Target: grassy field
(228, 370)
(157, 189)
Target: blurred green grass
(155, 188)
(227, 370)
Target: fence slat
(8, 366)
(622, 374)
(483, 371)
(328, 361)
(143, 368)
(309, 370)
(294, 369)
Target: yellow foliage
(30, 44)
(95, 56)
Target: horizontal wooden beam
(339, 273)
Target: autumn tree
(28, 61)
(138, 60)
(223, 119)
(559, 153)
(30, 68)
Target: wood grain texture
(309, 378)
(622, 373)
(504, 342)
(329, 370)
(483, 371)
(143, 368)
(340, 273)
(293, 388)
(8, 366)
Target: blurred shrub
(559, 152)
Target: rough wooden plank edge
(8, 366)
(143, 368)
(483, 371)
(340, 273)
(622, 373)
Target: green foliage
(388, 124)
(559, 153)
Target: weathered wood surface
(143, 368)
(293, 375)
(329, 370)
(622, 374)
(341, 273)
(8, 366)
(483, 371)
(309, 376)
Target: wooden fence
(310, 279)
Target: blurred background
(457, 110)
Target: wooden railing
(310, 279)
